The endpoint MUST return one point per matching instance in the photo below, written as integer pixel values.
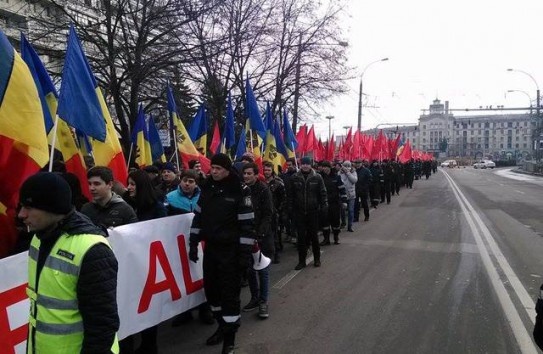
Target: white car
(484, 164)
(448, 163)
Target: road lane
(411, 280)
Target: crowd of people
(240, 208)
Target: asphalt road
(451, 266)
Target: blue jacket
(179, 203)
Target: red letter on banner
(191, 286)
(157, 253)
(10, 338)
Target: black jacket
(116, 212)
(307, 193)
(224, 214)
(279, 197)
(97, 283)
(263, 208)
(364, 180)
(335, 189)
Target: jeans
(350, 209)
(263, 280)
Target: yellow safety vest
(55, 323)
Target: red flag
(341, 153)
(216, 141)
(406, 154)
(379, 147)
(311, 143)
(301, 138)
(331, 149)
(368, 147)
(321, 151)
(357, 145)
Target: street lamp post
(537, 111)
(525, 93)
(329, 127)
(360, 91)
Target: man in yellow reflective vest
(72, 273)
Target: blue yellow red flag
(157, 150)
(140, 140)
(229, 137)
(78, 103)
(23, 139)
(288, 136)
(198, 130)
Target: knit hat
(346, 164)
(305, 161)
(47, 191)
(169, 166)
(221, 160)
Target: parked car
(449, 163)
(484, 164)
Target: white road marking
(290, 275)
(520, 332)
(519, 192)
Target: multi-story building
(498, 136)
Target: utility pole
(297, 87)
(329, 127)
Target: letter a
(157, 253)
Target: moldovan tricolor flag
(157, 150)
(184, 144)
(198, 130)
(23, 140)
(82, 106)
(64, 141)
(140, 141)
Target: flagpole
(129, 156)
(295, 159)
(176, 149)
(251, 139)
(53, 142)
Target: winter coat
(179, 203)
(349, 179)
(307, 193)
(335, 189)
(263, 208)
(97, 282)
(224, 213)
(364, 180)
(115, 213)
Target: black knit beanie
(47, 191)
(222, 160)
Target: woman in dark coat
(142, 196)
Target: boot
(218, 336)
(336, 237)
(228, 344)
(302, 254)
(326, 241)
(205, 314)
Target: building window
(516, 145)
(486, 146)
(509, 132)
(479, 131)
(501, 146)
(525, 124)
(525, 146)
(424, 126)
(509, 124)
(487, 125)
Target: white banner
(156, 281)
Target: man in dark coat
(279, 199)
(224, 219)
(337, 199)
(307, 198)
(64, 237)
(362, 190)
(259, 281)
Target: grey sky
(456, 50)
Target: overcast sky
(454, 50)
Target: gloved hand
(245, 256)
(193, 253)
